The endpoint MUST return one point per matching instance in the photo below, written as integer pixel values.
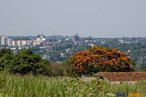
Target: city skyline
(106, 18)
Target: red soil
(124, 76)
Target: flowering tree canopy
(101, 59)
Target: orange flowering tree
(101, 59)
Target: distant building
(21, 43)
(14, 43)
(5, 41)
(121, 41)
(9, 42)
(29, 42)
(75, 38)
(39, 39)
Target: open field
(30, 86)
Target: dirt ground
(123, 76)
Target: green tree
(3, 51)
(6, 57)
(26, 61)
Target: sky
(97, 18)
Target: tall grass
(30, 86)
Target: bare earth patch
(117, 77)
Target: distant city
(60, 48)
(20, 42)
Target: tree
(4, 51)
(6, 57)
(100, 59)
(26, 61)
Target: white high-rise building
(3, 40)
(14, 43)
(9, 42)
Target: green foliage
(23, 62)
(6, 57)
(38, 86)
(26, 61)
(59, 69)
(5, 51)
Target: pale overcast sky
(97, 18)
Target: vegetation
(26, 62)
(96, 59)
(6, 56)
(101, 59)
(38, 86)
(23, 62)
(58, 69)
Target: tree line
(93, 60)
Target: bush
(26, 61)
(58, 69)
(100, 59)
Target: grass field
(30, 86)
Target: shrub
(100, 59)
(58, 69)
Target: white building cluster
(39, 39)
(21, 43)
(6, 41)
